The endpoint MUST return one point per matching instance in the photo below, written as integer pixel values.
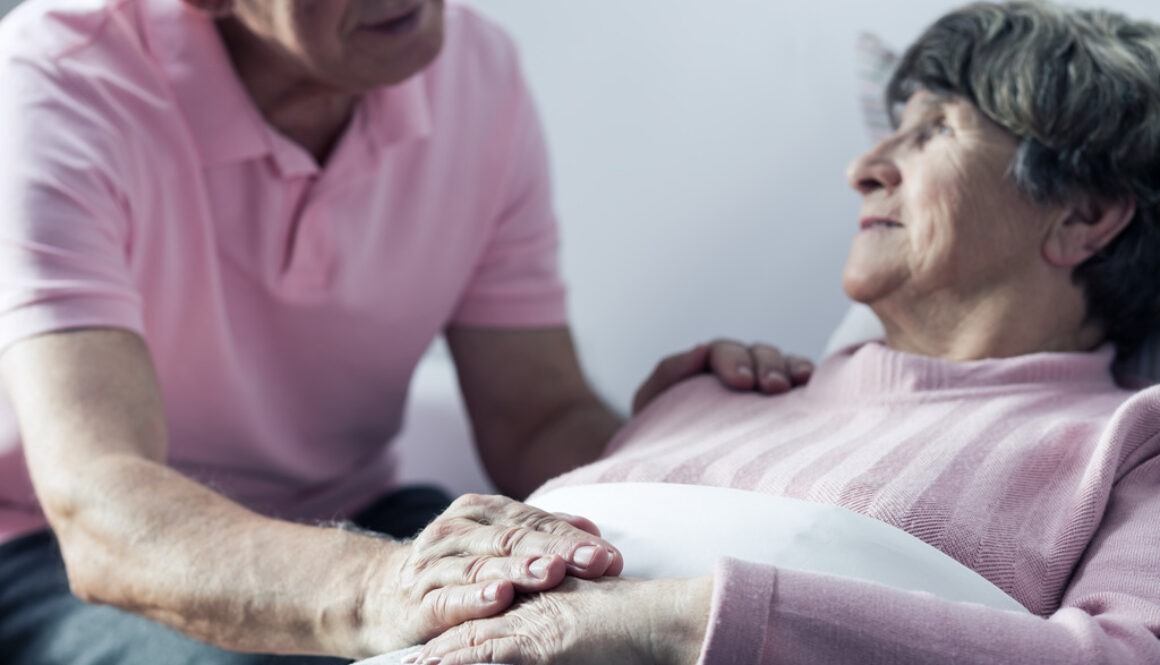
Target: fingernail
(433, 660)
(491, 592)
(774, 377)
(539, 568)
(411, 658)
(584, 555)
(745, 370)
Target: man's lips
(878, 223)
(401, 20)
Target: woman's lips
(400, 23)
(878, 223)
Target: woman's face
(940, 217)
(352, 45)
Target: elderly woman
(1009, 240)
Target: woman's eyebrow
(936, 103)
(931, 102)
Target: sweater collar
(873, 369)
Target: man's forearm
(573, 437)
(140, 536)
(137, 535)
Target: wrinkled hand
(470, 562)
(759, 367)
(607, 621)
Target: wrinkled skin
(473, 559)
(582, 622)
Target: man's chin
(393, 66)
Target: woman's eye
(928, 131)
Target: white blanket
(667, 530)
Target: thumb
(669, 372)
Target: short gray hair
(1080, 89)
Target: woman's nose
(874, 170)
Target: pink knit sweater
(1037, 472)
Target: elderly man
(229, 232)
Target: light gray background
(699, 150)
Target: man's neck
(299, 106)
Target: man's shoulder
(80, 65)
(52, 30)
(90, 56)
(86, 51)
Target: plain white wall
(699, 151)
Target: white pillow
(857, 326)
(671, 530)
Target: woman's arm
(751, 613)
(612, 620)
(1110, 612)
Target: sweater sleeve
(1110, 612)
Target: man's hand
(472, 560)
(759, 367)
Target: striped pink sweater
(1037, 472)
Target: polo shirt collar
(397, 113)
(226, 124)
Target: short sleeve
(517, 282)
(64, 220)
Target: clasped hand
(472, 560)
(585, 622)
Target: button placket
(311, 255)
(311, 249)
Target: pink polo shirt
(285, 305)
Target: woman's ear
(1085, 229)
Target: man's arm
(138, 535)
(533, 414)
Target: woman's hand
(472, 560)
(759, 367)
(600, 622)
